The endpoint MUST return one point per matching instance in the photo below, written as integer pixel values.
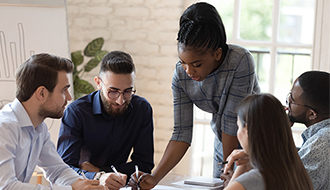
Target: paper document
(127, 188)
(164, 187)
(204, 181)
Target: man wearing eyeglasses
(308, 103)
(101, 129)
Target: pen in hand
(223, 163)
(137, 176)
(114, 169)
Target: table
(39, 176)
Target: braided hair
(201, 27)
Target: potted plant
(94, 52)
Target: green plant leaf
(100, 54)
(95, 61)
(82, 86)
(93, 50)
(77, 58)
(91, 64)
(75, 75)
(93, 47)
(78, 95)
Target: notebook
(204, 181)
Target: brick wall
(146, 29)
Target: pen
(82, 173)
(226, 162)
(137, 176)
(114, 169)
(137, 171)
(223, 163)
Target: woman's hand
(239, 157)
(226, 177)
(144, 181)
(242, 161)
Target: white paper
(127, 188)
(204, 181)
(164, 187)
(187, 186)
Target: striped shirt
(219, 94)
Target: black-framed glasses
(114, 94)
(288, 102)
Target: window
(279, 34)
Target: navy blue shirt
(88, 133)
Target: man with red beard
(101, 129)
(308, 103)
(42, 84)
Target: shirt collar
(22, 116)
(313, 129)
(97, 108)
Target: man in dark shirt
(102, 128)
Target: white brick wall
(146, 29)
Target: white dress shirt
(22, 147)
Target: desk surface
(174, 180)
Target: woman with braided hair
(213, 75)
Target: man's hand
(89, 167)
(144, 181)
(113, 181)
(85, 184)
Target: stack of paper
(204, 181)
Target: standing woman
(214, 76)
(265, 135)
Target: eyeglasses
(288, 102)
(114, 94)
